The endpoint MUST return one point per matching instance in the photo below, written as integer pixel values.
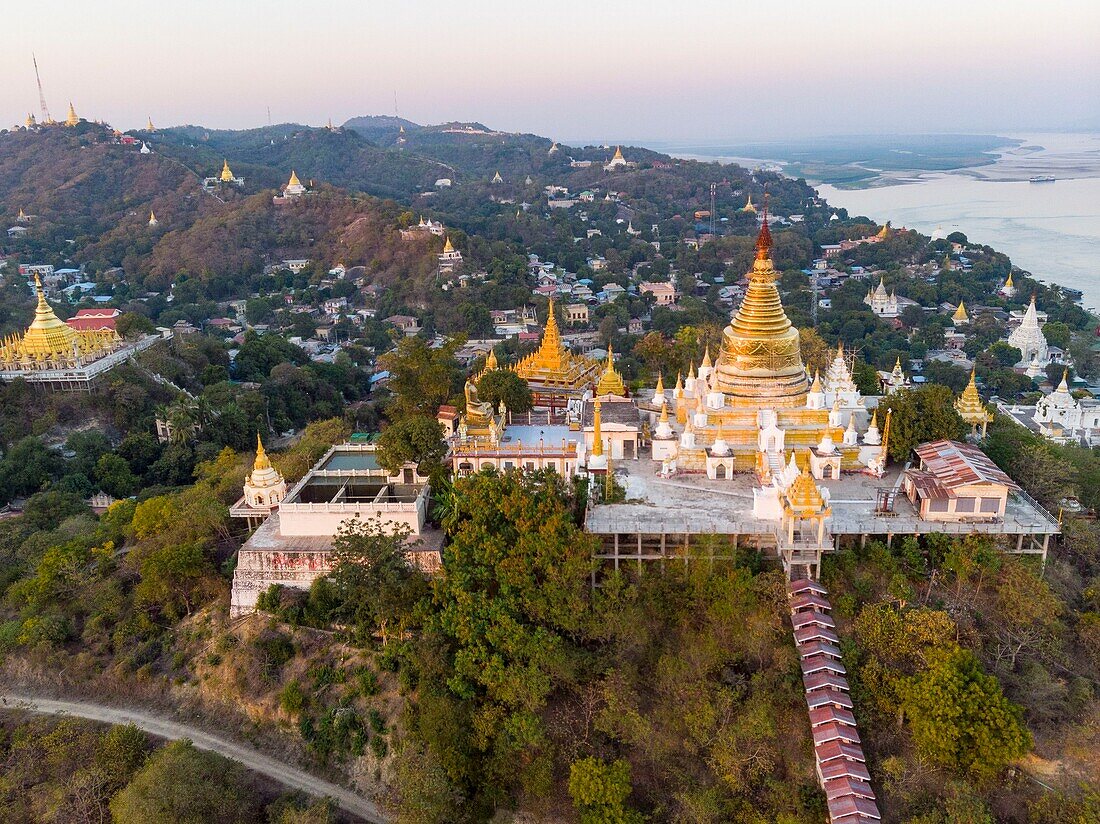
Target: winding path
(171, 730)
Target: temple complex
(617, 161)
(883, 304)
(55, 354)
(553, 373)
(292, 191)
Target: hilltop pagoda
(54, 353)
(552, 371)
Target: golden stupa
(611, 382)
(971, 409)
(226, 175)
(72, 119)
(293, 179)
(760, 362)
(803, 499)
(960, 315)
(50, 343)
(552, 367)
(263, 473)
(149, 127)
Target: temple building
(264, 488)
(1009, 289)
(293, 545)
(960, 318)
(1029, 339)
(884, 305)
(1060, 417)
(449, 259)
(749, 206)
(895, 380)
(293, 189)
(972, 410)
(225, 177)
(554, 374)
(617, 161)
(55, 354)
(72, 119)
(611, 382)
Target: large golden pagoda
(553, 369)
(760, 363)
(49, 343)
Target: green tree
(114, 477)
(132, 325)
(499, 385)
(960, 719)
(183, 785)
(421, 378)
(919, 416)
(1057, 334)
(376, 585)
(416, 438)
(599, 791)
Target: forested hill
(342, 157)
(82, 185)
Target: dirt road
(165, 728)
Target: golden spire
(448, 247)
(706, 359)
(152, 218)
(611, 382)
(72, 119)
(874, 419)
(293, 179)
(1008, 283)
(749, 207)
(491, 360)
(960, 315)
(597, 435)
(226, 175)
(30, 120)
(552, 365)
(22, 216)
(884, 232)
(149, 127)
(691, 370)
(48, 336)
(816, 388)
(660, 390)
(760, 362)
(970, 407)
(262, 461)
(618, 153)
(678, 390)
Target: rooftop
(694, 504)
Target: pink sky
(603, 71)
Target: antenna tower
(713, 189)
(41, 95)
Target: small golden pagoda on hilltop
(72, 119)
(749, 207)
(50, 343)
(552, 370)
(971, 409)
(149, 127)
(611, 382)
(226, 176)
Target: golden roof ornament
(611, 382)
(707, 363)
(226, 175)
(970, 407)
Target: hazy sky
(602, 70)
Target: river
(1050, 229)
